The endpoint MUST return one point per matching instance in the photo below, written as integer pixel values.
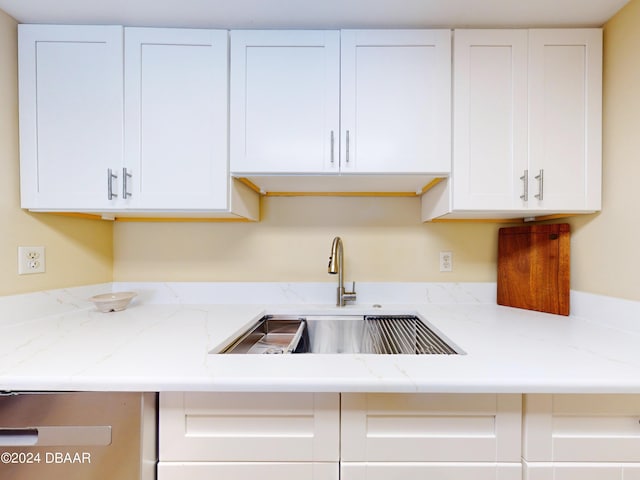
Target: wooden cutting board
(534, 267)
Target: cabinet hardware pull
(333, 142)
(125, 184)
(525, 181)
(347, 148)
(540, 178)
(10, 437)
(110, 177)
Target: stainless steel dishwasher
(78, 435)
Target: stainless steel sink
(374, 334)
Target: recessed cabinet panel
(176, 118)
(430, 428)
(70, 114)
(265, 427)
(395, 101)
(490, 115)
(563, 117)
(285, 101)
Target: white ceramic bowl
(112, 302)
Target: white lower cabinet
(247, 435)
(580, 471)
(416, 436)
(581, 437)
(367, 436)
(256, 427)
(350, 436)
(430, 428)
(247, 471)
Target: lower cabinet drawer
(431, 428)
(249, 427)
(581, 471)
(581, 428)
(247, 471)
(436, 470)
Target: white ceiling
(317, 13)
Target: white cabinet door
(395, 101)
(71, 98)
(527, 120)
(565, 105)
(248, 471)
(490, 119)
(581, 428)
(176, 118)
(284, 115)
(249, 427)
(436, 470)
(430, 428)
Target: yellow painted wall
(79, 252)
(606, 253)
(383, 237)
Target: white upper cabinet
(395, 101)
(285, 92)
(354, 101)
(176, 118)
(527, 125)
(70, 115)
(490, 118)
(565, 118)
(131, 120)
(123, 122)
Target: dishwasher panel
(78, 435)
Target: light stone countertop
(57, 340)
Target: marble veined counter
(57, 340)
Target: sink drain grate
(402, 334)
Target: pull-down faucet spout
(336, 265)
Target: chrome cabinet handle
(347, 148)
(125, 184)
(525, 182)
(333, 143)
(540, 178)
(110, 177)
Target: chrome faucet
(336, 265)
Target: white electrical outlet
(31, 260)
(446, 261)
